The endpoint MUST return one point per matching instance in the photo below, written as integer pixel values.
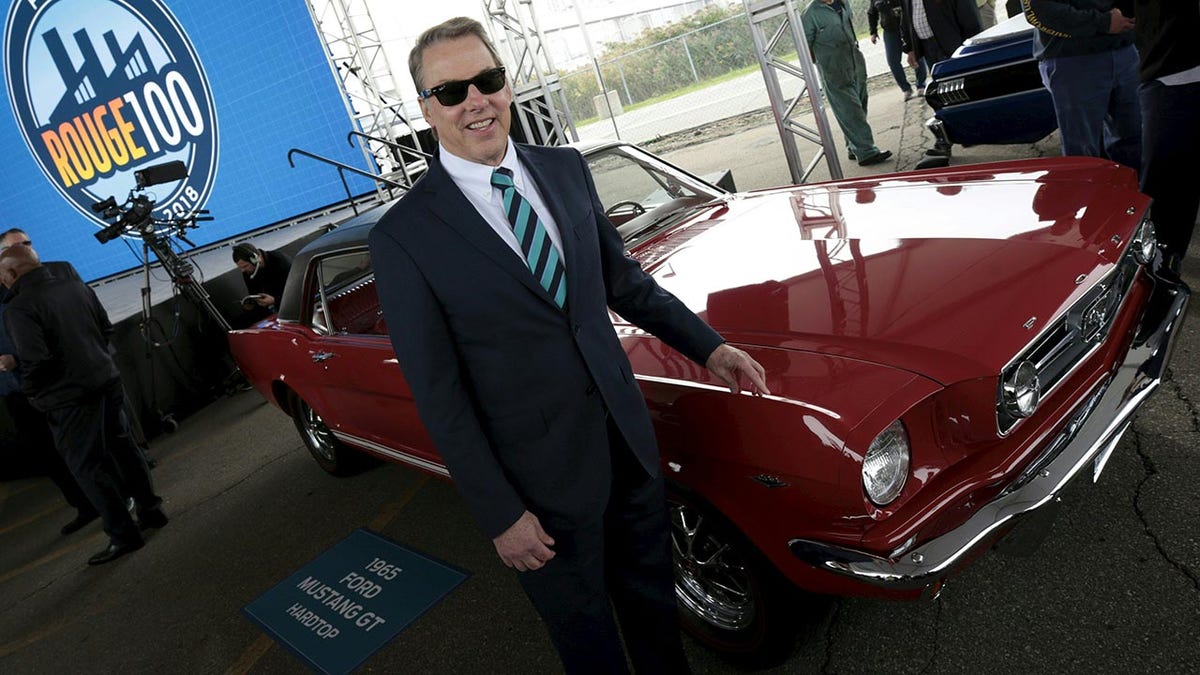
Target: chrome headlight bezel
(1144, 243)
(886, 464)
(1020, 390)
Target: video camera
(135, 213)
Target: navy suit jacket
(514, 390)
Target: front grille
(1072, 338)
(1011, 78)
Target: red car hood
(947, 274)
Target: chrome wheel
(317, 436)
(712, 579)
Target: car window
(627, 185)
(346, 301)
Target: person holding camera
(61, 333)
(265, 274)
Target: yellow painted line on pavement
(253, 653)
(35, 517)
(263, 644)
(390, 511)
(94, 540)
(70, 618)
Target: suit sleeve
(429, 360)
(907, 36)
(32, 353)
(967, 14)
(638, 298)
(1059, 19)
(873, 18)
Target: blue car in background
(990, 91)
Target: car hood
(945, 274)
(1014, 29)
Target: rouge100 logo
(102, 88)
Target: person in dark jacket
(61, 334)
(935, 28)
(889, 16)
(1167, 32)
(33, 434)
(265, 274)
(1088, 63)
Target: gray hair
(459, 26)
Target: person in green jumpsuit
(830, 34)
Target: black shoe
(908, 95)
(81, 518)
(878, 157)
(115, 550)
(152, 519)
(850, 154)
(940, 149)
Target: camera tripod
(177, 268)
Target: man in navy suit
(495, 273)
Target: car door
(366, 401)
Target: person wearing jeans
(1088, 63)
(889, 16)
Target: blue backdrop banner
(99, 89)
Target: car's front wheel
(331, 455)
(730, 598)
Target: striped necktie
(540, 253)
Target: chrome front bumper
(938, 129)
(1088, 437)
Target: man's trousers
(93, 437)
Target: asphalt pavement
(1115, 588)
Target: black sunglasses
(454, 92)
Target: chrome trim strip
(393, 453)
(994, 98)
(1138, 377)
(999, 66)
(712, 387)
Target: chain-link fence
(704, 65)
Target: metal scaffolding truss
(770, 22)
(368, 85)
(541, 103)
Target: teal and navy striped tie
(540, 253)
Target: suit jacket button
(575, 329)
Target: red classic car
(945, 350)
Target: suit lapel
(451, 206)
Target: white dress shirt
(475, 181)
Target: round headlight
(885, 468)
(1144, 242)
(1021, 390)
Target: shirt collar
(475, 178)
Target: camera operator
(61, 335)
(265, 273)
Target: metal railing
(342, 169)
(398, 152)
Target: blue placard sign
(351, 600)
